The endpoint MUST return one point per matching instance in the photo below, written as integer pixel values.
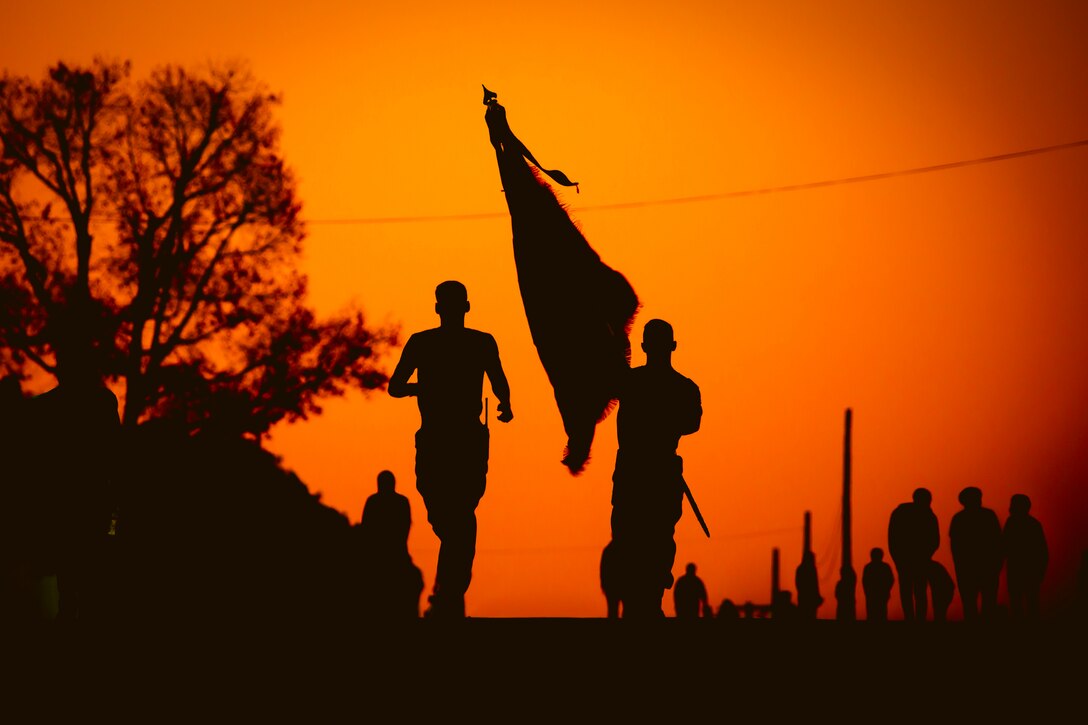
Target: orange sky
(948, 310)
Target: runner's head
(451, 298)
(657, 337)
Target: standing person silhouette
(689, 596)
(386, 521)
(942, 590)
(74, 456)
(657, 405)
(1026, 558)
(877, 581)
(975, 538)
(806, 579)
(16, 562)
(913, 538)
(452, 445)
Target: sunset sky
(949, 310)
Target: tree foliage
(161, 215)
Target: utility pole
(807, 578)
(846, 589)
(774, 576)
(807, 546)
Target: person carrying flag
(657, 406)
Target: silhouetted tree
(163, 212)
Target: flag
(578, 308)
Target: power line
(730, 194)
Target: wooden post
(807, 546)
(774, 576)
(846, 589)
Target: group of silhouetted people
(70, 435)
(71, 439)
(981, 548)
(657, 406)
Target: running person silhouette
(452, 444)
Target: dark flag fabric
(579, 309)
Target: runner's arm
(399, 387)
(499, 384)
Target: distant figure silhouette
(913, 538)
(387, 518)
(74, 453)
(16, 562)
(397, 581)
(609, 584)
(807, 581)
(846, 595)
(728, 610)
(657, 405)
(782, 608)
(452, 445)
(689, 595)
(1026, 558)
(877, 581)
(975, 538)
(943, 590)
